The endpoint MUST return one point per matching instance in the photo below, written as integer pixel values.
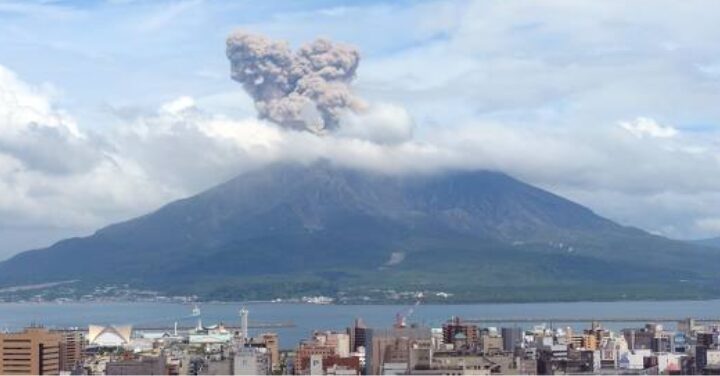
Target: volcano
(289, 230)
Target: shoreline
(359, 304)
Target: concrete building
(460, 363)
(421, 355)
(357, 334)
(252, 361)
(392, 346)
(305, 352)
(335, 365)
(584, 341)
(638, 339)
(34, 351)
(706, 339)
(454, 327)
(270, 341)
(511, 338)
(339, 341)
(552, 359)
(141, 366)
(72, 348)
(490, 342)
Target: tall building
(490, 342)
(270, 340)
(706, 339)
(392, 346)
(244, 313)
(453, 328)
(72, 347)
(34, 351)
(584, 341)
(358, 335)
(511, 338)
(639, 339)
(339, 341)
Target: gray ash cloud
(308, 89)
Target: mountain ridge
(710, 242)
(333, 230)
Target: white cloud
(53, 175)
(178, 105)
(380, 123)
(617, 111)
(38, 136)
(709, 224)
(645, 127)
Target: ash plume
(308, 89)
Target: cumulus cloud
(622, 119)
(643, 127)
(381, 123)
(53, 175)
(179, 105)
(36, 135)
(709, 224)
(180, 148)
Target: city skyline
(456, 345)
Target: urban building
(584, 341)
(490, 342)
(34, 351)
(252, 361)
(392, 346)
(459, 333)
(72, 348)
(270, 341)
(141, 366)
(357, 334)
(304, 353)
(340, 342)
(511, 337)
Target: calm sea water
(309, 317)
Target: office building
(72, 347)
(142, 366)
(34, 351)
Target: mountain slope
(712, 242)
(291, 229)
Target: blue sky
(112, 108)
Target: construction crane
(402, 316)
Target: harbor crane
(402, 317)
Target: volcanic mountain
(289, 230)
(712, 242)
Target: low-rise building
(139, 366)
